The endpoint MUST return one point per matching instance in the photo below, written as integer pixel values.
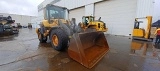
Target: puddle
(139, 48)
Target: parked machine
(86, 42)
(142, 28)
(89, 22)
(19, 25)
(29, 25)
(7, 26)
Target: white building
(22, 19)
(119, 15)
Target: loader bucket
(88, 48)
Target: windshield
(56, 12)
(87, 19)
(92, 19)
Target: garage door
(77, 13)
(118, 15)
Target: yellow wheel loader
(86, 42)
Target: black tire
(62, 39)
(41, 38)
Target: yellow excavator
(86, 41)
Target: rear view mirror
(99, 18)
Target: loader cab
(87, 19)
(55, 12)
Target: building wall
(145, 8)
(156, 13)
(148, 8)
(71, 4)
(118, 16)
(77, 13)
(25, 20)
(89, 9)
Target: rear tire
(41, 38)
(59, 39)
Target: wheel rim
(55, 40)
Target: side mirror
(99, 18)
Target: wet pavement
(23, 52)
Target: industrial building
(119, 15)
(22, 19)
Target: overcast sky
(22, 7)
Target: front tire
(59, 39)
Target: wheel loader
(86, 41)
